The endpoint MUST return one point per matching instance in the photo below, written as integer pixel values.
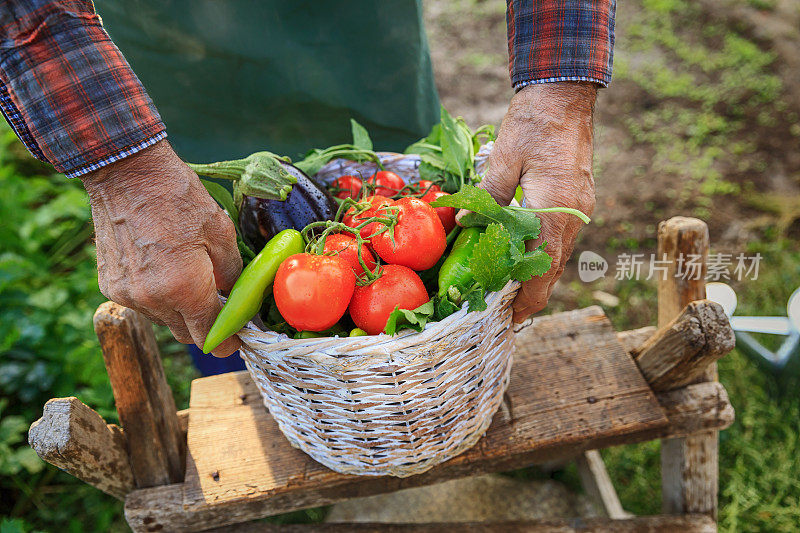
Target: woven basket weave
(382, 405)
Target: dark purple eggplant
(271, 195)
(308, 201)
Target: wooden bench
(577, 386)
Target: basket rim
(342, 349)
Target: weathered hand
(545, 146)
(164, 247)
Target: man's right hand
(164, 247)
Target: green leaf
(447, 304)
(272, 318)
(27, 459)
(245, 251)
(448, 181)
(15, 525)
(444, 307)
(409, 319)
(316, 159)
(491, 261)
(429, 144)
(434, 161)
(522, 224)
(529, 264)
(456, 145)
(361, 138)
(476, 298)
(224, 198)
(421, 148)
(483, 135)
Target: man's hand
(545, 146)
(164, 247)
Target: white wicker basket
(382, 405)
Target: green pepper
(358, 332)
(248, 292)
(455, 270)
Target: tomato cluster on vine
(365, 261)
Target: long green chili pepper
(455, 270)
(248, 291)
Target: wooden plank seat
(641, 524)
(574, 387)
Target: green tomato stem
(568, 210)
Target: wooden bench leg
(597, 484)
(689, 467)
(145, 405)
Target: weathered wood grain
(680, 352)
(689, 466)
(144, 400)
(632, 339)
(183, 422)
(591, 468)
(597, 484)
(696, 408)
(639, 524)
(73, 437)
(681, 240)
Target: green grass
(706, 84)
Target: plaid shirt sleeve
(560, 40)
(67, 91)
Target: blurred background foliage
(48, 294)
(702, 120)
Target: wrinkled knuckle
(587, 201)
(498, 187)
(218, 226)
(145, 298)
(177, 288)
(103, 285)
(228, 229)
(223, 224)
(181, 336)
(120, 295)
(197, 311)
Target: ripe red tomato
(344, 246)
(372, 304)
(387, 183)
(446, 214)
(423, 186)
(419, 238)
(350, 187)
(354, 220)
(312, 292)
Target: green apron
(237, 76)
